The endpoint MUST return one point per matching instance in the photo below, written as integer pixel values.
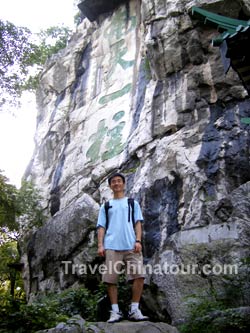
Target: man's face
(117, 184)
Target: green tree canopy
(8, 204)
(20, 210)
(19, 51)
(9, 277)
(15, 46)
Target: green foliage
(78, 18)
(216, 312)
(50, 41)
(20, 210)
(79, 301)
(31, 83)
(14, 49)
(211, 316)
(11, 284)
(8, 204)
(9, 255)
(48, 311)
(30, 210)
(124, 289)
(198, 321)
(147, 68)
(30, 318)
(19, 52)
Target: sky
(17, 128)
(37, 15)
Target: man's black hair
(117, 174)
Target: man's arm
(138, 235)
(100, 238)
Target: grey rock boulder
(131, 327)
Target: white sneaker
(137, 316)
(114, 317)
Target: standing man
(120, 242)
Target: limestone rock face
(143, 91)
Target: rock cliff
(142, 90)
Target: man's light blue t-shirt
(120, 234)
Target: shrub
(47, 311)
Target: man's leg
(111, 274)
(135, 272)
(112, 293)
(115, 314)
(137, 288)
(110, 277)
(135, 312)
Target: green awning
(233, 41)
(228, 27)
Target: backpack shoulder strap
(131, 202)
(107, 206)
